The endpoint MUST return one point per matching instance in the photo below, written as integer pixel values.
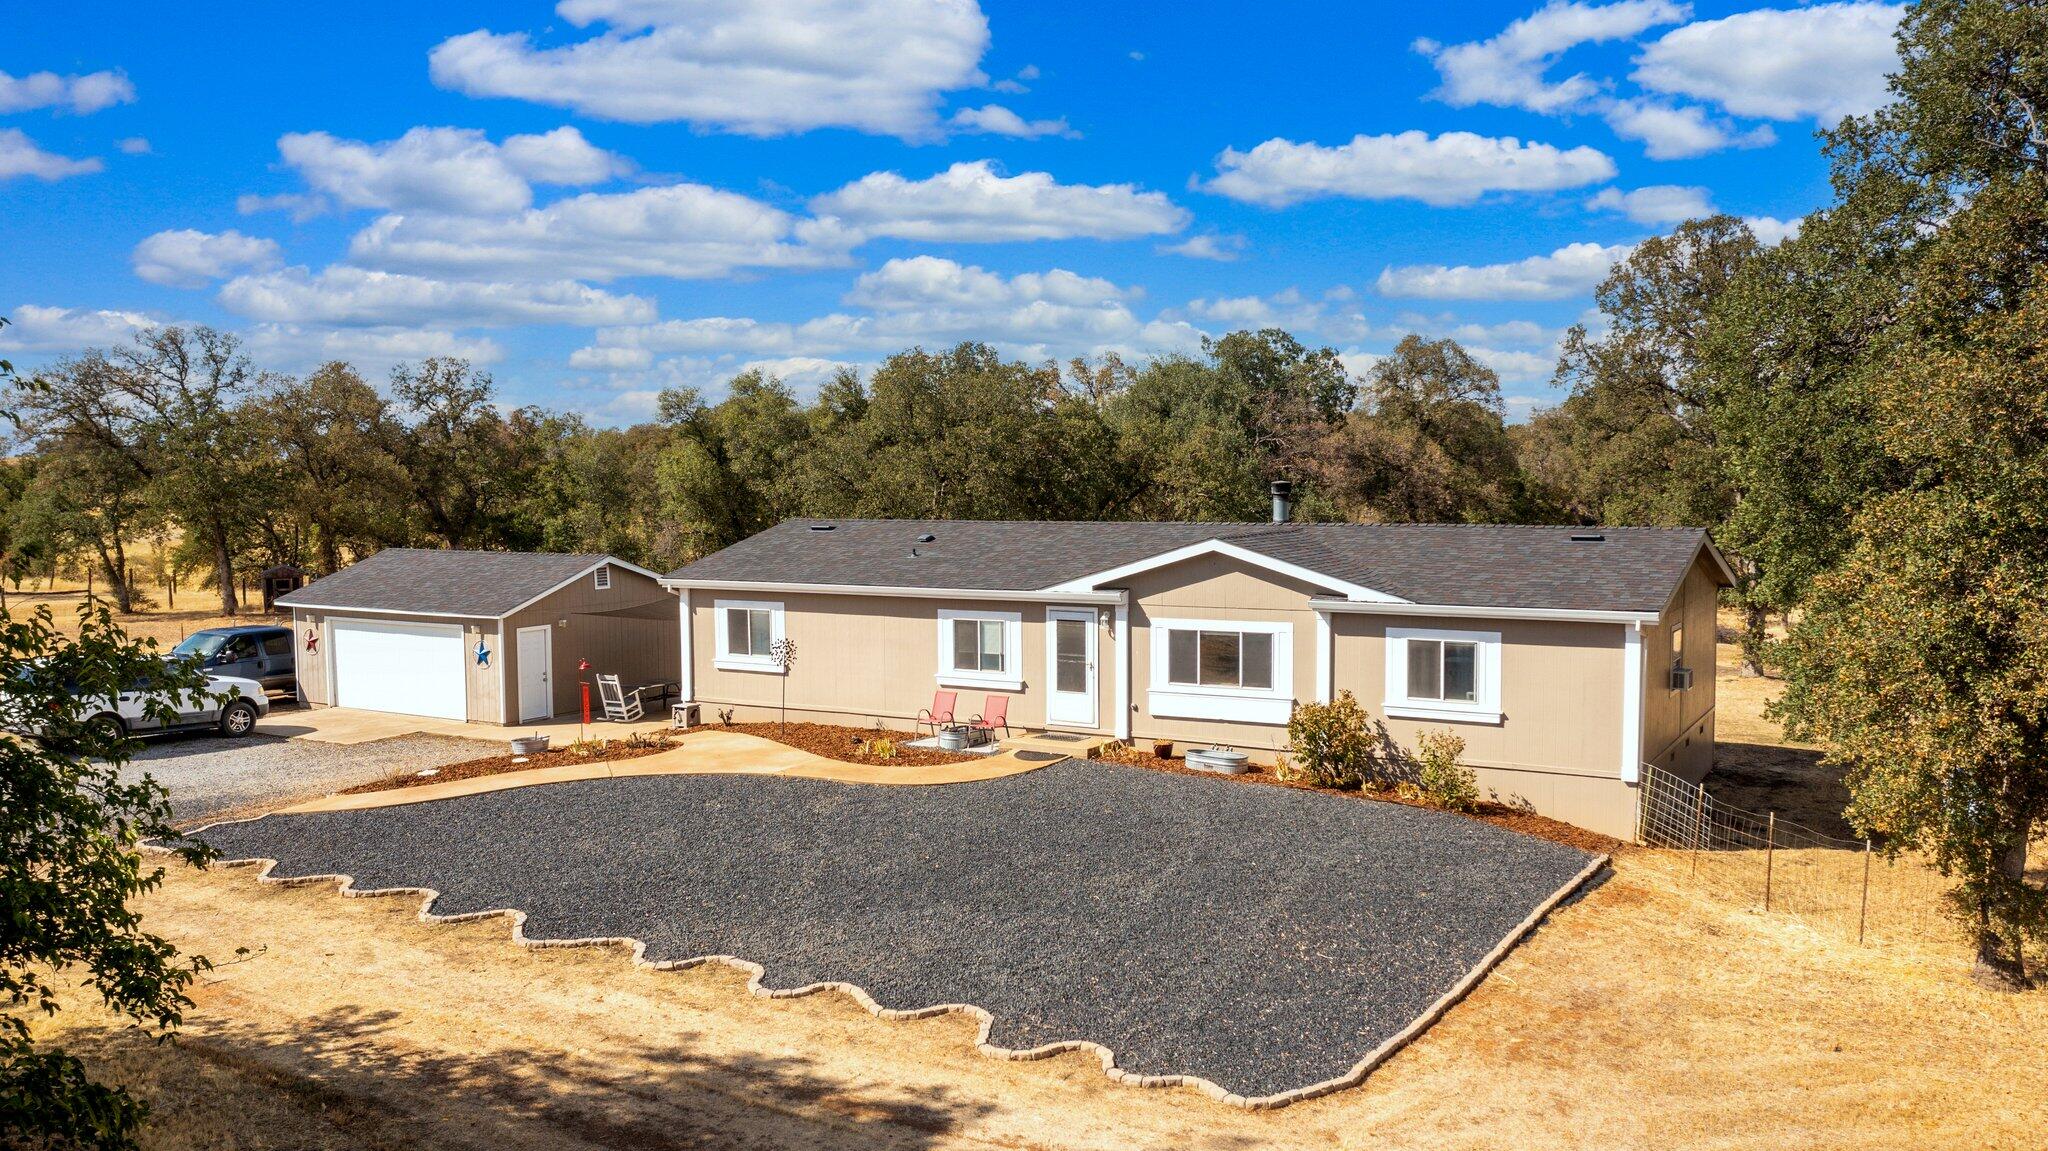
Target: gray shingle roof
(1477, 565)
(443, 582)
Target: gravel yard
(211, 777)
(1260, 938)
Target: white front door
(536, 673)
(1070, 668)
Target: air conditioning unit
(1681, 679)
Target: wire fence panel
(1841, 886)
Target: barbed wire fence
(1844, 887)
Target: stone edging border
(345, 884)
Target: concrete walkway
(346, 725)
(703, 752)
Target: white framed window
(747, 634)
(1236, 670)
(1434, 673)
(981, 648)
(602, 578)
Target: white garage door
(409, 668)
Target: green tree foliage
(1639, 440)
(1430, 444)
(1918, 656)
(328, 433)
(70, 824)
(466, 464)
(1334, 744)
(730, 469)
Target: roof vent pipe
(1283, 501)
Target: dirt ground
(1646, 1014)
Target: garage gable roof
(444, 582)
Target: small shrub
(1329, 744)
(1121, 752)
(878, 748)
(1439, 774)
(725, 717)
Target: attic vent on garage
(603, 579)
(824, 527)
(1589, 538)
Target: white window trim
(1231, 704)
(1485, 709)
(601, 579)
(1011, 678)
(724, 658)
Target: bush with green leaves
(70, 867)
(1329, 744)
(1440, 773)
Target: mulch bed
(499, 764)
(1498, 814)
(843, 743)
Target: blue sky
(603, 198)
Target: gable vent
(603, 578)
(1589, 538)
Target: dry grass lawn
(1647, 1014)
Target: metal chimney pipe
(1283, 501)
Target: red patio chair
(995, 713)
(940, 713)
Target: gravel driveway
(1261, 938)
(211, 777)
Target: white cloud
(83, 95)
(683, 231)
(972, 202)
(1209, 246)
(346, 296)
(1569, 271)
(36, 328)
(1516, 333)
(1825, 61)
(1454, 168)
(1656, 204)
(930, 301)
(1771, 231)
(373, 351)
(19, 156)
(187, 258)
(756, 67)
(301, 206)
(1284, 309)
(997, 120)
(1678, 131)
(454, 170)
(1509, 68)
(133, 146)
(611, 359)
(1018, 84)
(1515, 367)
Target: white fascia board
(348, 610)
(1224, 547)
(1466, 611)
(750, 586)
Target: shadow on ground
(350, 1077)
(1791, 781)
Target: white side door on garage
(404, 667)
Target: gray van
(262, 652)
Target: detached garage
(487, 637)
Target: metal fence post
(1770, 854)
(1699, 826)
(1863, 912)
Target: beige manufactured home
(482, 636)
(1567, 658)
